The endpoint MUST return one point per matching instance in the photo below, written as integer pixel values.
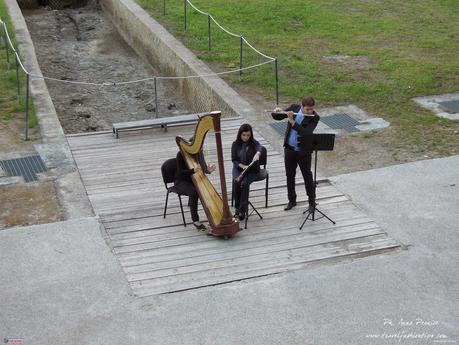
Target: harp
(215, 206)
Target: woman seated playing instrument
(185, 185)
(245, 153)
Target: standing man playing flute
(302, 119)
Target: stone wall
(159, 48)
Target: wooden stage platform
(124, 184)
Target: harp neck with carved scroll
(215, 206)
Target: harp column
(227, 217)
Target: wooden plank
(200, 266)
(153, 287)
(144, 227)
(279, 240)
(147, 211)
(120, 205)
(131, 203)
(256, 195)
(195, 242)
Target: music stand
(316, 142)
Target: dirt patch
(351, 62)
(12, 130)
(362, 151)
(34, 203)
(82, 45)
(24, 204)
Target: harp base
(227, 230)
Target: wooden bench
(158, 122)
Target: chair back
(263, 157)
(168, 170)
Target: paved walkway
(62, 285)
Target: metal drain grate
(451, 106)
(27, 167)
(279, 126)
(341, 121)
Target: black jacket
(182, 172)
(239, 156)
(306, 126)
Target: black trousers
(292, 159)
(188, 189)
(241, 191)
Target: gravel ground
(82, 45)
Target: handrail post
(16, 58)
(6, 46)
(184, 11)
(240, 55)
(276, 75)
(27, 107)
(2, 33)
(156, 97)
(208, 33)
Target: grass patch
(398, 50)
(9, 100)
(7, 117)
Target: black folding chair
(168, 170)
(264, 174)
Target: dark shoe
(236, 214)
(200, 226)
(241, 215)
(290, 205)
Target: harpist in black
(185, 185)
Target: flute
(280, 115)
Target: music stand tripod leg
(312, 210)
(307, 217)
(325, 216)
